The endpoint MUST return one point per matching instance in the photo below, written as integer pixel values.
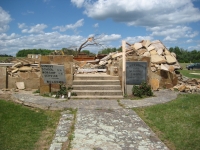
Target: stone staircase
(99, 85)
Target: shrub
(142, 90)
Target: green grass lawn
(177, 123)
(188, 74)
(22, 128)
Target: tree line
(25, 52)
(185, 56)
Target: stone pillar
(2, 77)
(65, 60)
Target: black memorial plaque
(136, 72)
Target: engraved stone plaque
(136, 72)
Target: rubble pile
(22, 68)
(161, 57)
(187, 85)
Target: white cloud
(79, 23)
(4, 20)
(10, 44)
(169, 39)
(172, 33)
(142, 13)
(189, 41)
(96, 25)
(135, 39)
(78, 3)
(32, 29)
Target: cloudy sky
(55, 24)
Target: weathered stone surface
(167, 52)
(154, 84)
(137, 46)
(18, 64)
(25, 68)
(150, 48)
(157, 59)
(160, 51)
(147, 54)
(20, 85)
(141, 51)
(153, 69)
(153, 52)
(182, 88)
(146, 43)
(163, 67)
(173, 54)
(15, 70)
(170, 59)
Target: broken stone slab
(147, 54)
(117, 55)
(146, 43)
(20, 85)
(154, 84)
(182, 88)
(25, 68)
(163, 67)
(170, 59)
(157, 59)
(137, 46)
(150, 48)
(153, 52)
(160, 51)
(167, 52)
(141, 51)
(14, 71)
(173, 54)
(19, 64)
(153, 69)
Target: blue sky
(55, 24)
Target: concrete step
(94, 77)
(98, 97)
(96, 87)
(97, 92)
(96, 82)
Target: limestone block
(45, 59)
(44, 89)
(18, 64)
(68, 58)
(153, 52)
(137, 46)
(171, 68)
(167, 52)
(116, 55)
(153, 69)
(160, 51)
(15, 70)
(162, 67)
(150, 48)
(25, 68)
(146, 43)
(182, 88)
(173, 54)
(147, 54)
(23, 75)
(170, 59)
(141, 51)
(157, 59)
(20, 85)
(154, 84)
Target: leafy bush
(142, 90)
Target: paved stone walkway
(101, 124)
